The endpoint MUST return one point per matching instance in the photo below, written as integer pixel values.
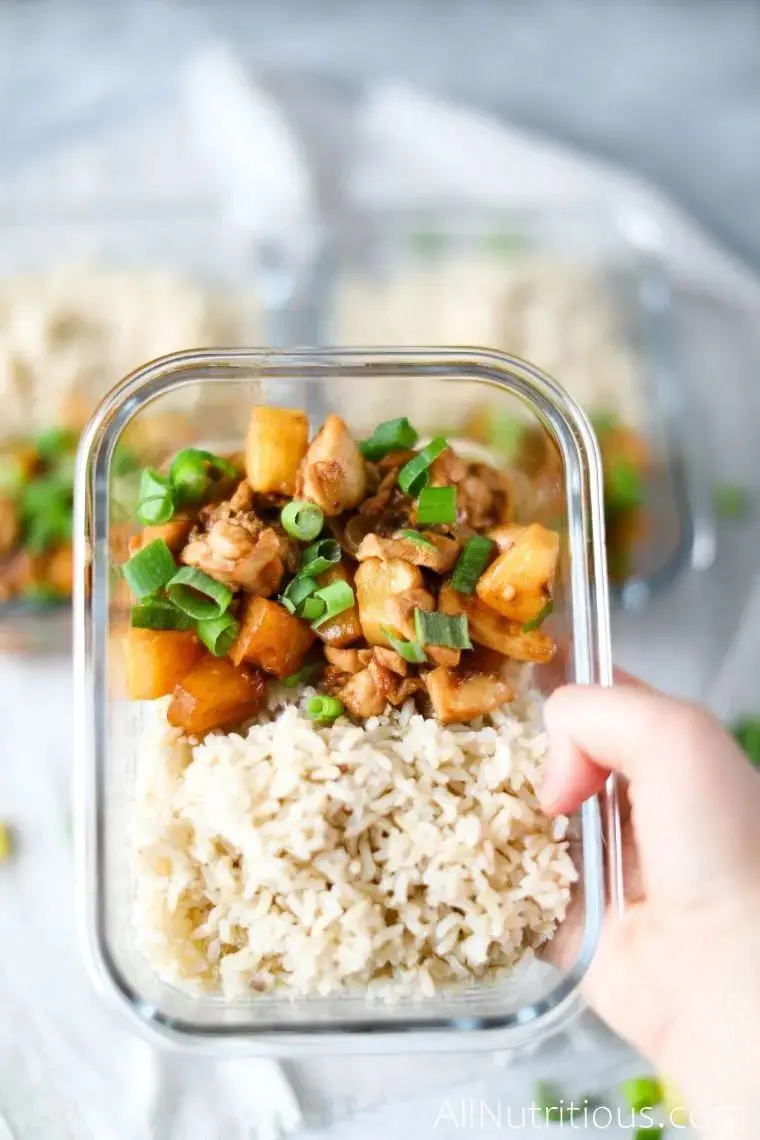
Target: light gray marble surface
(668, 87)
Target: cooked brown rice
(399, 856)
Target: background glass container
(409, 253)
(266, 292)
(532, 1000)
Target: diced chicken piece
(215, 694)
(242, 498)
(484, 495)
(158, 659)
(443, 655)
(362, 696)
(231, 554)
(345, 627)
(378, 502)
(10, 527)
(447, 470)
(517, 584)
(409, 687)
(333, 679)
(389, 659)
(174, 533)
(383, 591)
(474, 688)
(386, 681)
(59, 570)
(271, 638)
(490, 628)
(332, 473)
(345, 660)
(401, 611)
(439, 553)
(275, 445)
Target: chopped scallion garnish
(471, 563)
(411, 651)
(449, 630)
(437, 505)
(414, 475)
(159, 613)
(390, 435)
(318, 557)
(323, 710)
(193, 472)
(302, 520)
(731, 501)
(198, 594)
(305, 674)
(642, 1092)
(54, 442)
(150, 569)
(157, 500)
(337, 597)
(218, 634)
(540, 618)
(416, 536)
(623, 485)
(311, 609)
(297, 592)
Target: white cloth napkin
(69, 1067)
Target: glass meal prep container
(212, 279)
(574, 291)
(363, 385)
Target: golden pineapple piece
(275, 445)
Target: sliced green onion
(732, 501)
(746, 733)
(297, 592)
(318, 557)
(648, 1132)
(156, 499)
(12, 477)
(415, 536)
(413, 476)
(302, 520)
(158, 613)
(411, 651)
(337, 597)
(305, 674)
(192, 473)
(449, 630)
(311, 609)
(41, 592)
(49, 526)
(150, 569)
(437, 505)
(51, 444)
(471, 563)
(540, 618)
(642, 1092)
(547, 1097)
(198, 594)
(604, 422)
(218, 634)
(323, 710)
(505, 434)
(390, 435)
(624, 486)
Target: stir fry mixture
(373, 570)
(36, 497)
(625, 459)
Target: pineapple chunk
(487, 627)
(517, 584)
(216, 694)
(271, 638)
(275, 445)
(158, 659)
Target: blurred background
(575, 182)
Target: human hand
(679, 974)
